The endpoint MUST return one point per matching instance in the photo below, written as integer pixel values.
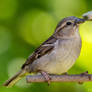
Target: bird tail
(15, 78)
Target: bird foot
(85, 73)
(46, 76)
(65, 73)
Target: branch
(60, 78)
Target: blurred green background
(25, 24)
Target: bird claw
(65, 73)
(85, 73)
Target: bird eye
(68, 23)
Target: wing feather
(43, 49)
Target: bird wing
(43, 49)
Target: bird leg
(46, 76)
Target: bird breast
(61, 59)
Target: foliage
(25, 24)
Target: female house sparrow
(56, 55)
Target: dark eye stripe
(60, 28)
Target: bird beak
(79, 21)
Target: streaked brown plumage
(57, 54)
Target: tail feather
(14, 79)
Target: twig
(60, 78)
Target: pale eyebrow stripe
(60, 28)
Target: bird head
(68, 26)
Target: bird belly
(60, 63)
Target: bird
(56, 55)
